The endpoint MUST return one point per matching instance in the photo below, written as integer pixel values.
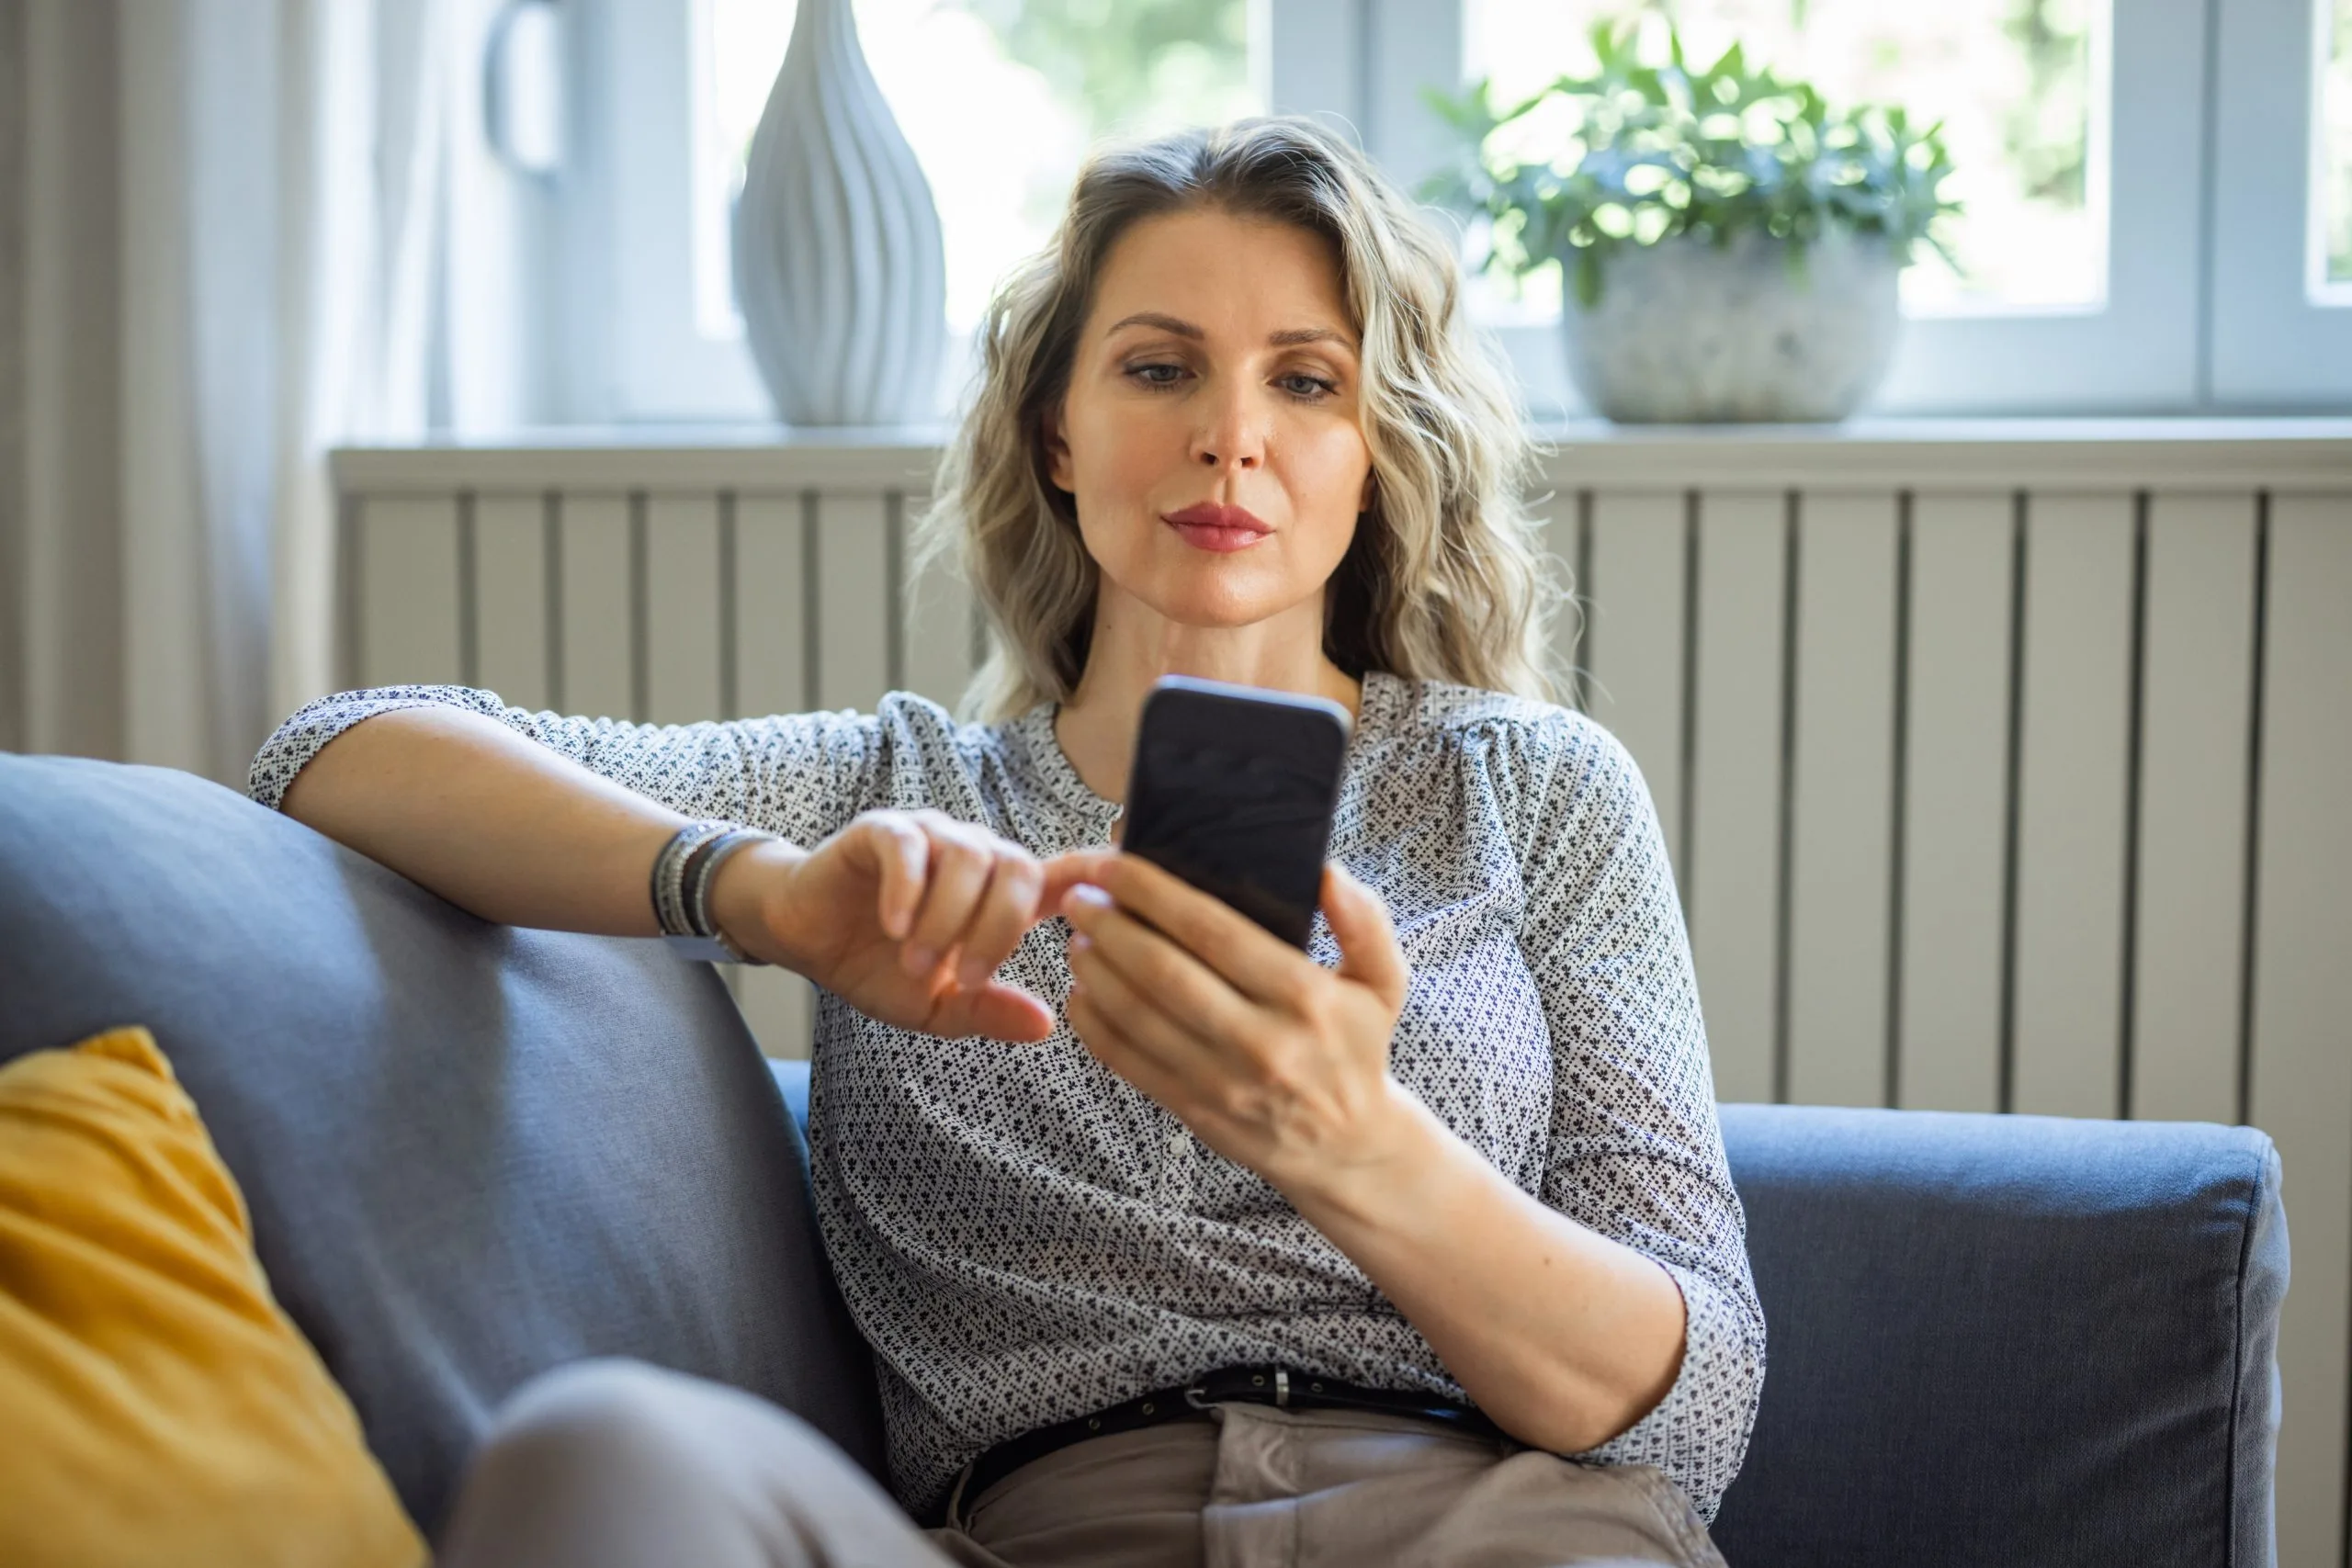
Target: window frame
(2275, 345)
(2135, 353)
(636, 226)
(2192, 321)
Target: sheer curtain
(231, 227)
(282, 176)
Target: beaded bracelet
(702, 869)
(669, 876)
(682, 872)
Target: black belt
(1281, 1386)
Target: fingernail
(1087, 894)
(919, 959)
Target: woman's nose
(1233, 432)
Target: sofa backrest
(2001, 1339)
(470, 1152)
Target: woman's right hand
(906, 914)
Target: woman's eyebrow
(1287, 337)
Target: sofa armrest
(469, 1152)
(2008, 1339)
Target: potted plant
(1731, 244)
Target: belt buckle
(1196, 1396)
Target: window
(2331, 232)
(2080, 246)
(2019, 85)
(2283, 188)
(1055, 76)
(2159, 191)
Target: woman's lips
(1219, 529)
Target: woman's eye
(1305, 388)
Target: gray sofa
(473, 1152)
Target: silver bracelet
(702, 869)
(669, 876)
(682, 872)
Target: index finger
(1255, 961)
(1065, 870)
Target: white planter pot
(1688, 332)
(839, 269)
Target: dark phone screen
(1232, 790)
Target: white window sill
(2303, 453)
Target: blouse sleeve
(800, 775)
(1635, 1150)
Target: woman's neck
(1129, 651)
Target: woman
(1450, 1188)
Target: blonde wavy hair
(1444, 579)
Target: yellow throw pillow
(156, 1404)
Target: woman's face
(1217, 369)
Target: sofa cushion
(156, 1406)
(470, 1152)
(2013, 1339)
(2007, 1339)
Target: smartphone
(1233, 789)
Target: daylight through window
(2020, 87)
(1056, 75)
(2332, 160)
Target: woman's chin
(1210, 606)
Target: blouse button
(1178, 1143)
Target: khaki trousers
(616, 1464)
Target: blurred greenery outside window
(2333, 155)
(2019, 85)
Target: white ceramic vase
(1688, 331)
(839, 270)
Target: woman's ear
(1057, 464)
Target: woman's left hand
(1272, 1060)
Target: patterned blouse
(1024, 1237)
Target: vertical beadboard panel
(771, 606)
(853, 590)
(409, 630)
(511, 597)
(2303, 993)
(2198, 687)
(597, 615)
(939, 630)
(780, 1007)
(1842, 811)
(2072, 778)
(682, 608)
(771, 677)
(1955, 810)
(1733, 877)
(1635, 651)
